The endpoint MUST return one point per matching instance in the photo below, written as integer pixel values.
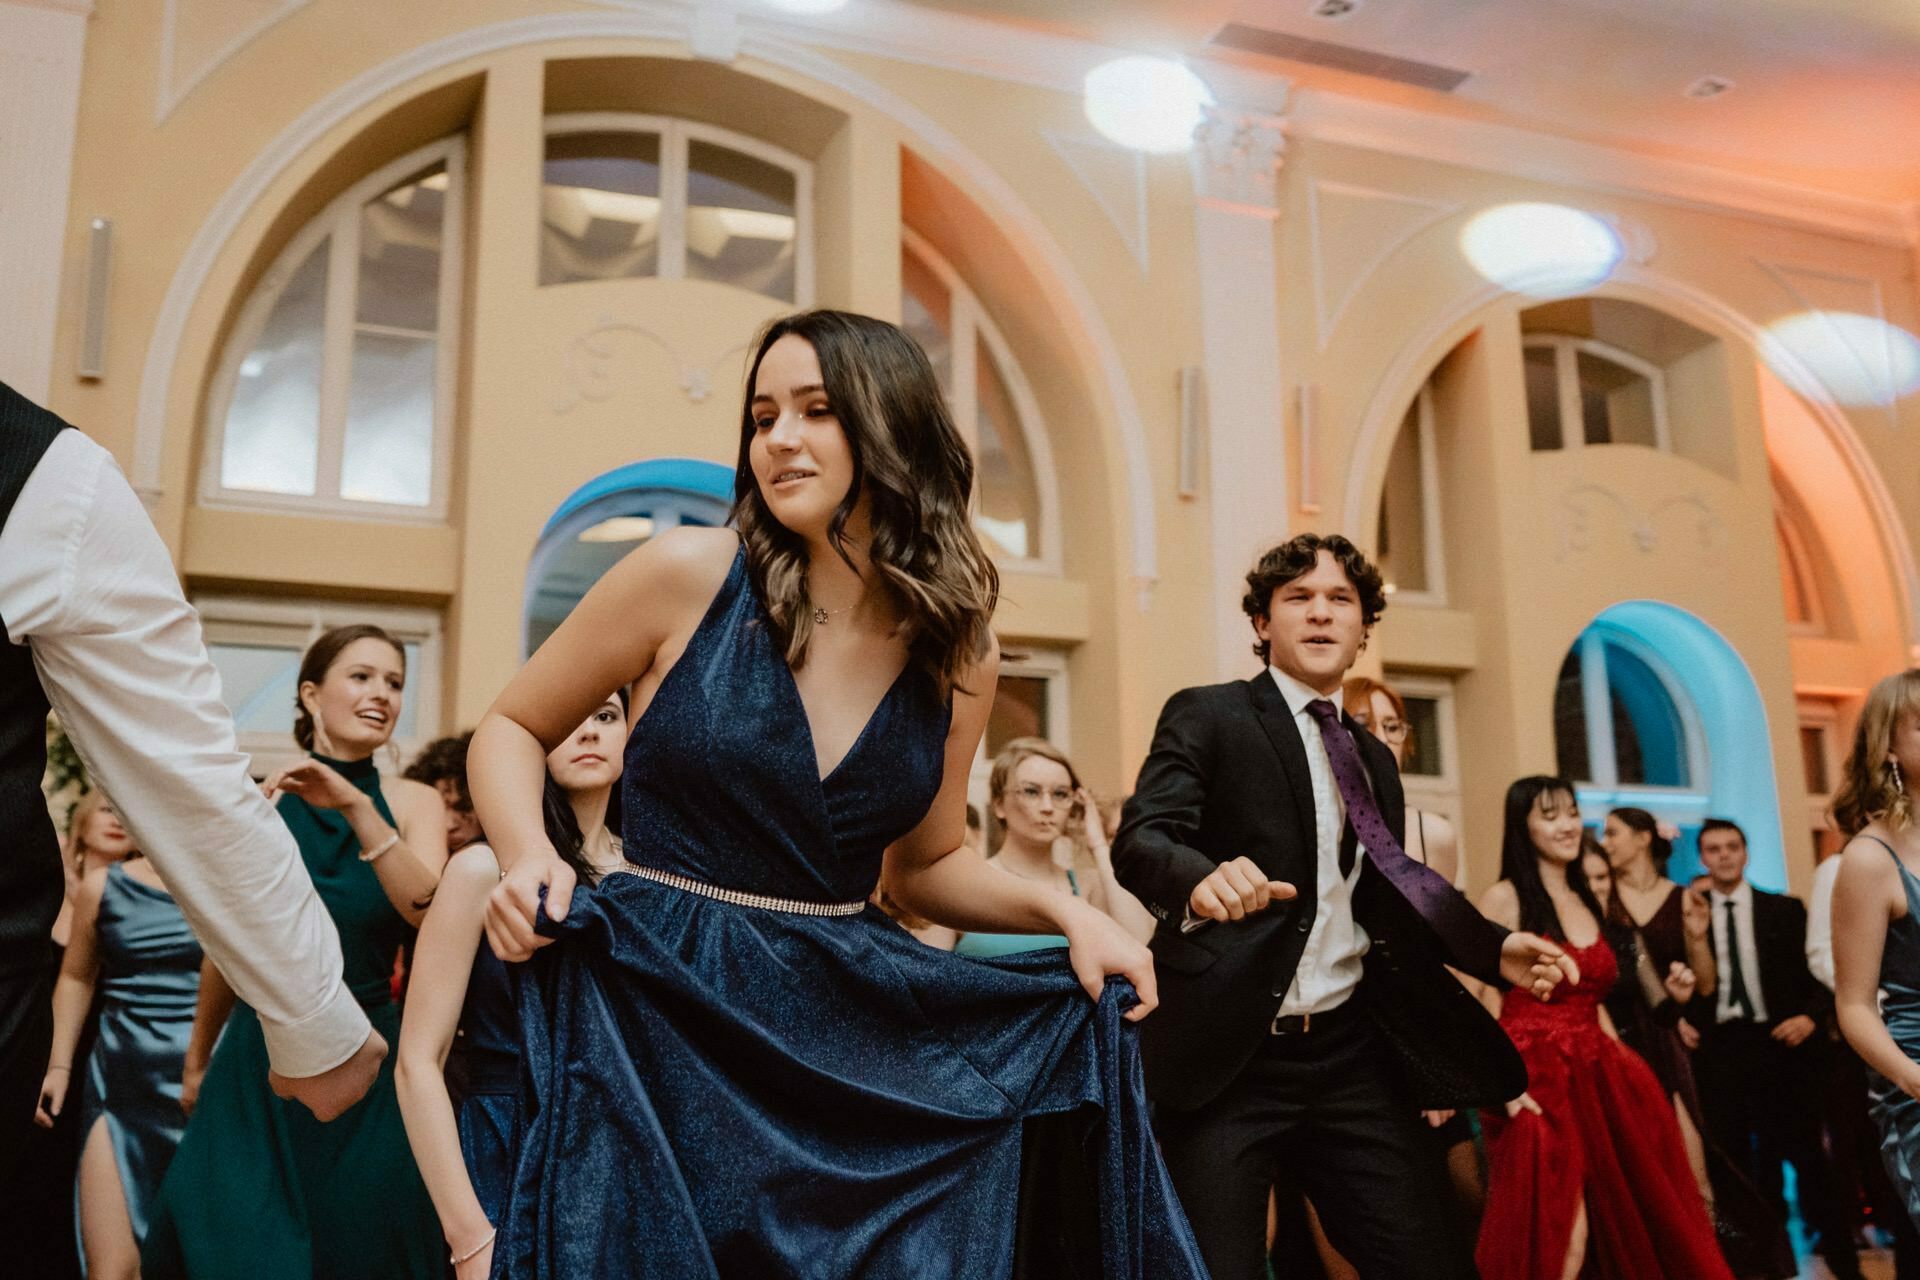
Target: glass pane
(1019, 711)
(1616, 404)
(1402, 545)
(1543, 398)
(1423, 738)
(600, 207)
(400, 256)
(1649, 737)
(388, 455)
(927, 315)
(1570, 721)
(1813, 757)
(1009, 511)
(740, 220)
(271, 442)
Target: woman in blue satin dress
(130, 944)
(1876, 919)
(736, 1066)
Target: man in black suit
(1306, 1016)
(1761, 1059)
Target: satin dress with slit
(724, 1089)
(149, 981)
(1897, 1114)
(259, 1187)
(1606, 1137)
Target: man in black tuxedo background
(1763, 1049)
(1306, 1016)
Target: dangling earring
(1899, 783)
(321, 742)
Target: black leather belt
(1306, 1024)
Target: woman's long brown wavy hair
(1869, 785)
(913, 468)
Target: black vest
(31, 885)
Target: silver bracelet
(459, 1258)
(368, 855)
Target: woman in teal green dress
(1037, 799)
(259, 1188)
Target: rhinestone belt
(739, 898)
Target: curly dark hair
(1295, 558)
(444, 760)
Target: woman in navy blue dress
(736, 1066)
(460, 1000)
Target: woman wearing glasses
(1430, 837)
(1037, 798)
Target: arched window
(1407, 540)
(1583, 392)
(627, 196)
(1619, 719)
(1798, 583)
(1014, 507)
(605, 519)
(335, 391)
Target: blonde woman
(1382, 712)
(1876, 919)
(1037, 798)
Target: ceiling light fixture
(1708, 87)
(1859, 361)
(1541, 250)
(808, 6)
(1334, 9)
(1147, 103)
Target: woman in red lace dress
(1588, 1175)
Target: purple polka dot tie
(1472, 940)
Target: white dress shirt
(87, 585)
(1742, 900)
(1330, 966)
(1820, 921)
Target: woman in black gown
(736, 1065)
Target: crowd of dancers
(694, 960)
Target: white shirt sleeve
(1820, 922)
(87, 584)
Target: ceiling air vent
(1340, 57)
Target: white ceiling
(1827, 92)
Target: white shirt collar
(1739, 897)
(1298, 695)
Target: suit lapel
(1270, 709)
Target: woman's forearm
(404, 875)
(210, 1013)
(961, 891)
(1118, 903)
(72, 997)
(506, 771)
(1700, 960)
(427, 1111)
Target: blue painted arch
(1736, 750)
(685, 475)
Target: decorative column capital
(1237, 157)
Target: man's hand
(1680, 982)
(1689, 1034)
(1524, 1102)
(1794, 1031)
(330, 1093)
(515, 903)
(1531, 963)
(1235, 890)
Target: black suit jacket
(1227, 777)
(1787, 987)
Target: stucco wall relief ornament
(1582, 508)
(1237, 157)
(590, 372)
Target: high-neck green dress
(259, 1188)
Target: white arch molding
(1417, 358)
(667, 22)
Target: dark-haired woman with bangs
(259, 1187)
(1587, 1171)
(737, 1065)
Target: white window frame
(1425, 424)
(296, 624)
(340, 220)
(1681, 805)
(1051, 666)
(966, 320)
(1437, 793)
(675, 134)
(1566, 349)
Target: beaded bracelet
(368, 855)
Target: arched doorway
(607, 517)
(1654, 709)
